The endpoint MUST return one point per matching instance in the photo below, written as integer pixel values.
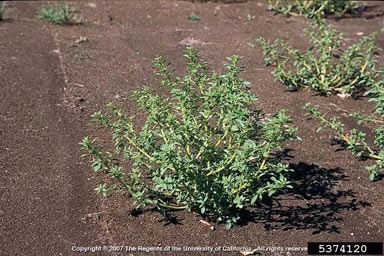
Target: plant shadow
(357, 94)
(168, 217)
(313, 203)
(367, 12)
(283, 154)
(7, 20)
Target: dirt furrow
(44, 191)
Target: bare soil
(51, 81)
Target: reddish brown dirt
(46, 193)
(47, 190)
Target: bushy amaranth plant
(312, 8)
(59, 15)
(200, 149)
(325, 67)
(355, 139)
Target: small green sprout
(59, 15)
(193, 17)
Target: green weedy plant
(1, 11)
(193, 17)
(355, 139)
(59, 15)
(325, 67)
(200, 149)
(312, 8)
(382, 29)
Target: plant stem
(227, 163)
(255, 175)
(173, 207)
(222, 138)
(138, 148)
(347, 140)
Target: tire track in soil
(45, 192)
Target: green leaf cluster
(356, 139)
(325, 67)
(201, 148)
(1, 11)
(312, 8)
(193, 17)
(59, 15)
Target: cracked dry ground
(51, 82)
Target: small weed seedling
(200, 149)
(325, 67)
(250, 17)
(60, 15)
(382, 29)
(1, 11)
(354, 138)
(312, 8)
(193, 17)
